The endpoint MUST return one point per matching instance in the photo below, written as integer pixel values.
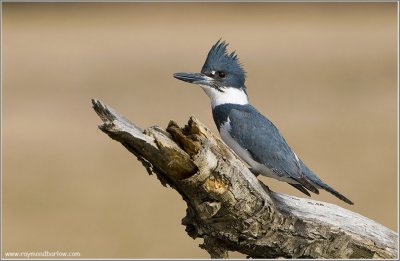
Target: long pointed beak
(196, 78)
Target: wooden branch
(232, 210)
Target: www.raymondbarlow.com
(42, 254)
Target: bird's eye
(221, 74)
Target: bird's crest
(218, 58)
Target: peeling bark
(232, 210)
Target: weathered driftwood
(232, 210)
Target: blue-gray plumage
(251, 135)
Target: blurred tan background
(324, 73)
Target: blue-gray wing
(265, 144)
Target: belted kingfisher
(243, 128)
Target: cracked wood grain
(232, 210)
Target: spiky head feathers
(224, 65)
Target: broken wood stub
(232, 210)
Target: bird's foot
(254, 172)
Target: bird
(253, 137)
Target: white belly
(245, 155)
